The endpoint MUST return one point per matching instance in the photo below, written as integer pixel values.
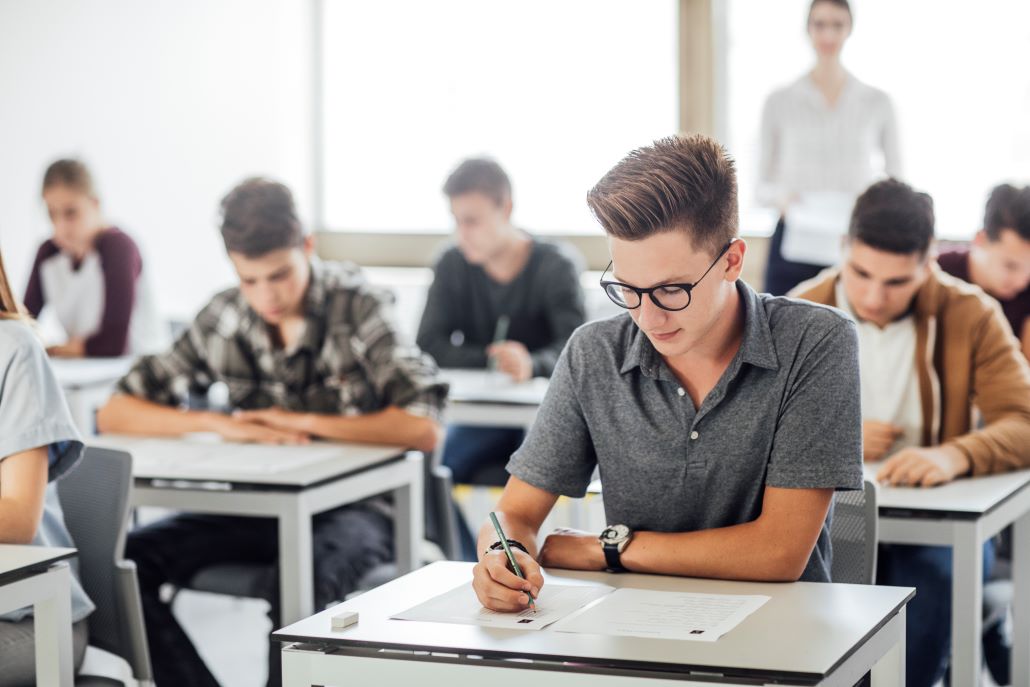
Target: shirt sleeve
(167, 378)
(438, 321)
(818, 439)
(889, 142)
(558, 454)
(33, 410)
(121, 264)
(565, 311)
(34, 297)
(400, 373)
(1001, 389)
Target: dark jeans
(928, 628)
(347, 543)
(478, 455)
(782, 275)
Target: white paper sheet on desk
(201, 455)
(664, 615)
(461, 606)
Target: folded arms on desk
(125, 414)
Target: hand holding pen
(496, 583)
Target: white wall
(170, 103)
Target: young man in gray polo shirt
(721, 420)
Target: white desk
(87, 383)
(290, 483)
(37, 576)
(963, 515)
(806, 634)
(492, 399)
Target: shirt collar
(757, 347)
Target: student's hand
(75, 348)
(513, 359)
(276, 418)
(235, 429)
(500, 589)
(924, 467)
(877, 439)
(572, 550)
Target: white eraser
(345, 619)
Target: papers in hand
(462, 607)
(814, 226)
(664, 615)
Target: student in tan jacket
(932, 351)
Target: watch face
(613, 534)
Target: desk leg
(296, 571)
(53, 629)
(889, 671)
(967, 603)
(1021, 601)
(408, 518)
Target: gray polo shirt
(786, 413)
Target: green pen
(500, 334)
(510, 555)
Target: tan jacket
(966, 355)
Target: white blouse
(810, 146)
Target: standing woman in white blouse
(825, 138)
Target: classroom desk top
(485, 386)
(803, 632)
(80, 373)
(19, 561)
(205, 458)
(966, 498)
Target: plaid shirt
(348, 360)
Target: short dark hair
(1008, 207)
(679, 182)
(258, 217)
(71, 173)
(843, 4)
(891, 216)
(479, 175)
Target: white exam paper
(814, 226)
(461, 606)
(664, 615)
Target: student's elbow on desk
(110, 415)
(427, 435)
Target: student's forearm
(17, 526)
(741, 552)
(125, 414)
(389, 426)
(519, 529)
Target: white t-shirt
(890, 382)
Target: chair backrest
(854, 534)
(95, 501)
(441, 524)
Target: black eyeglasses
(674, 297)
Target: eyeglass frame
(687, 287)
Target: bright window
(957, 73)
(557, 92)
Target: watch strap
(612, 558)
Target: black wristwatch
(613, 540)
